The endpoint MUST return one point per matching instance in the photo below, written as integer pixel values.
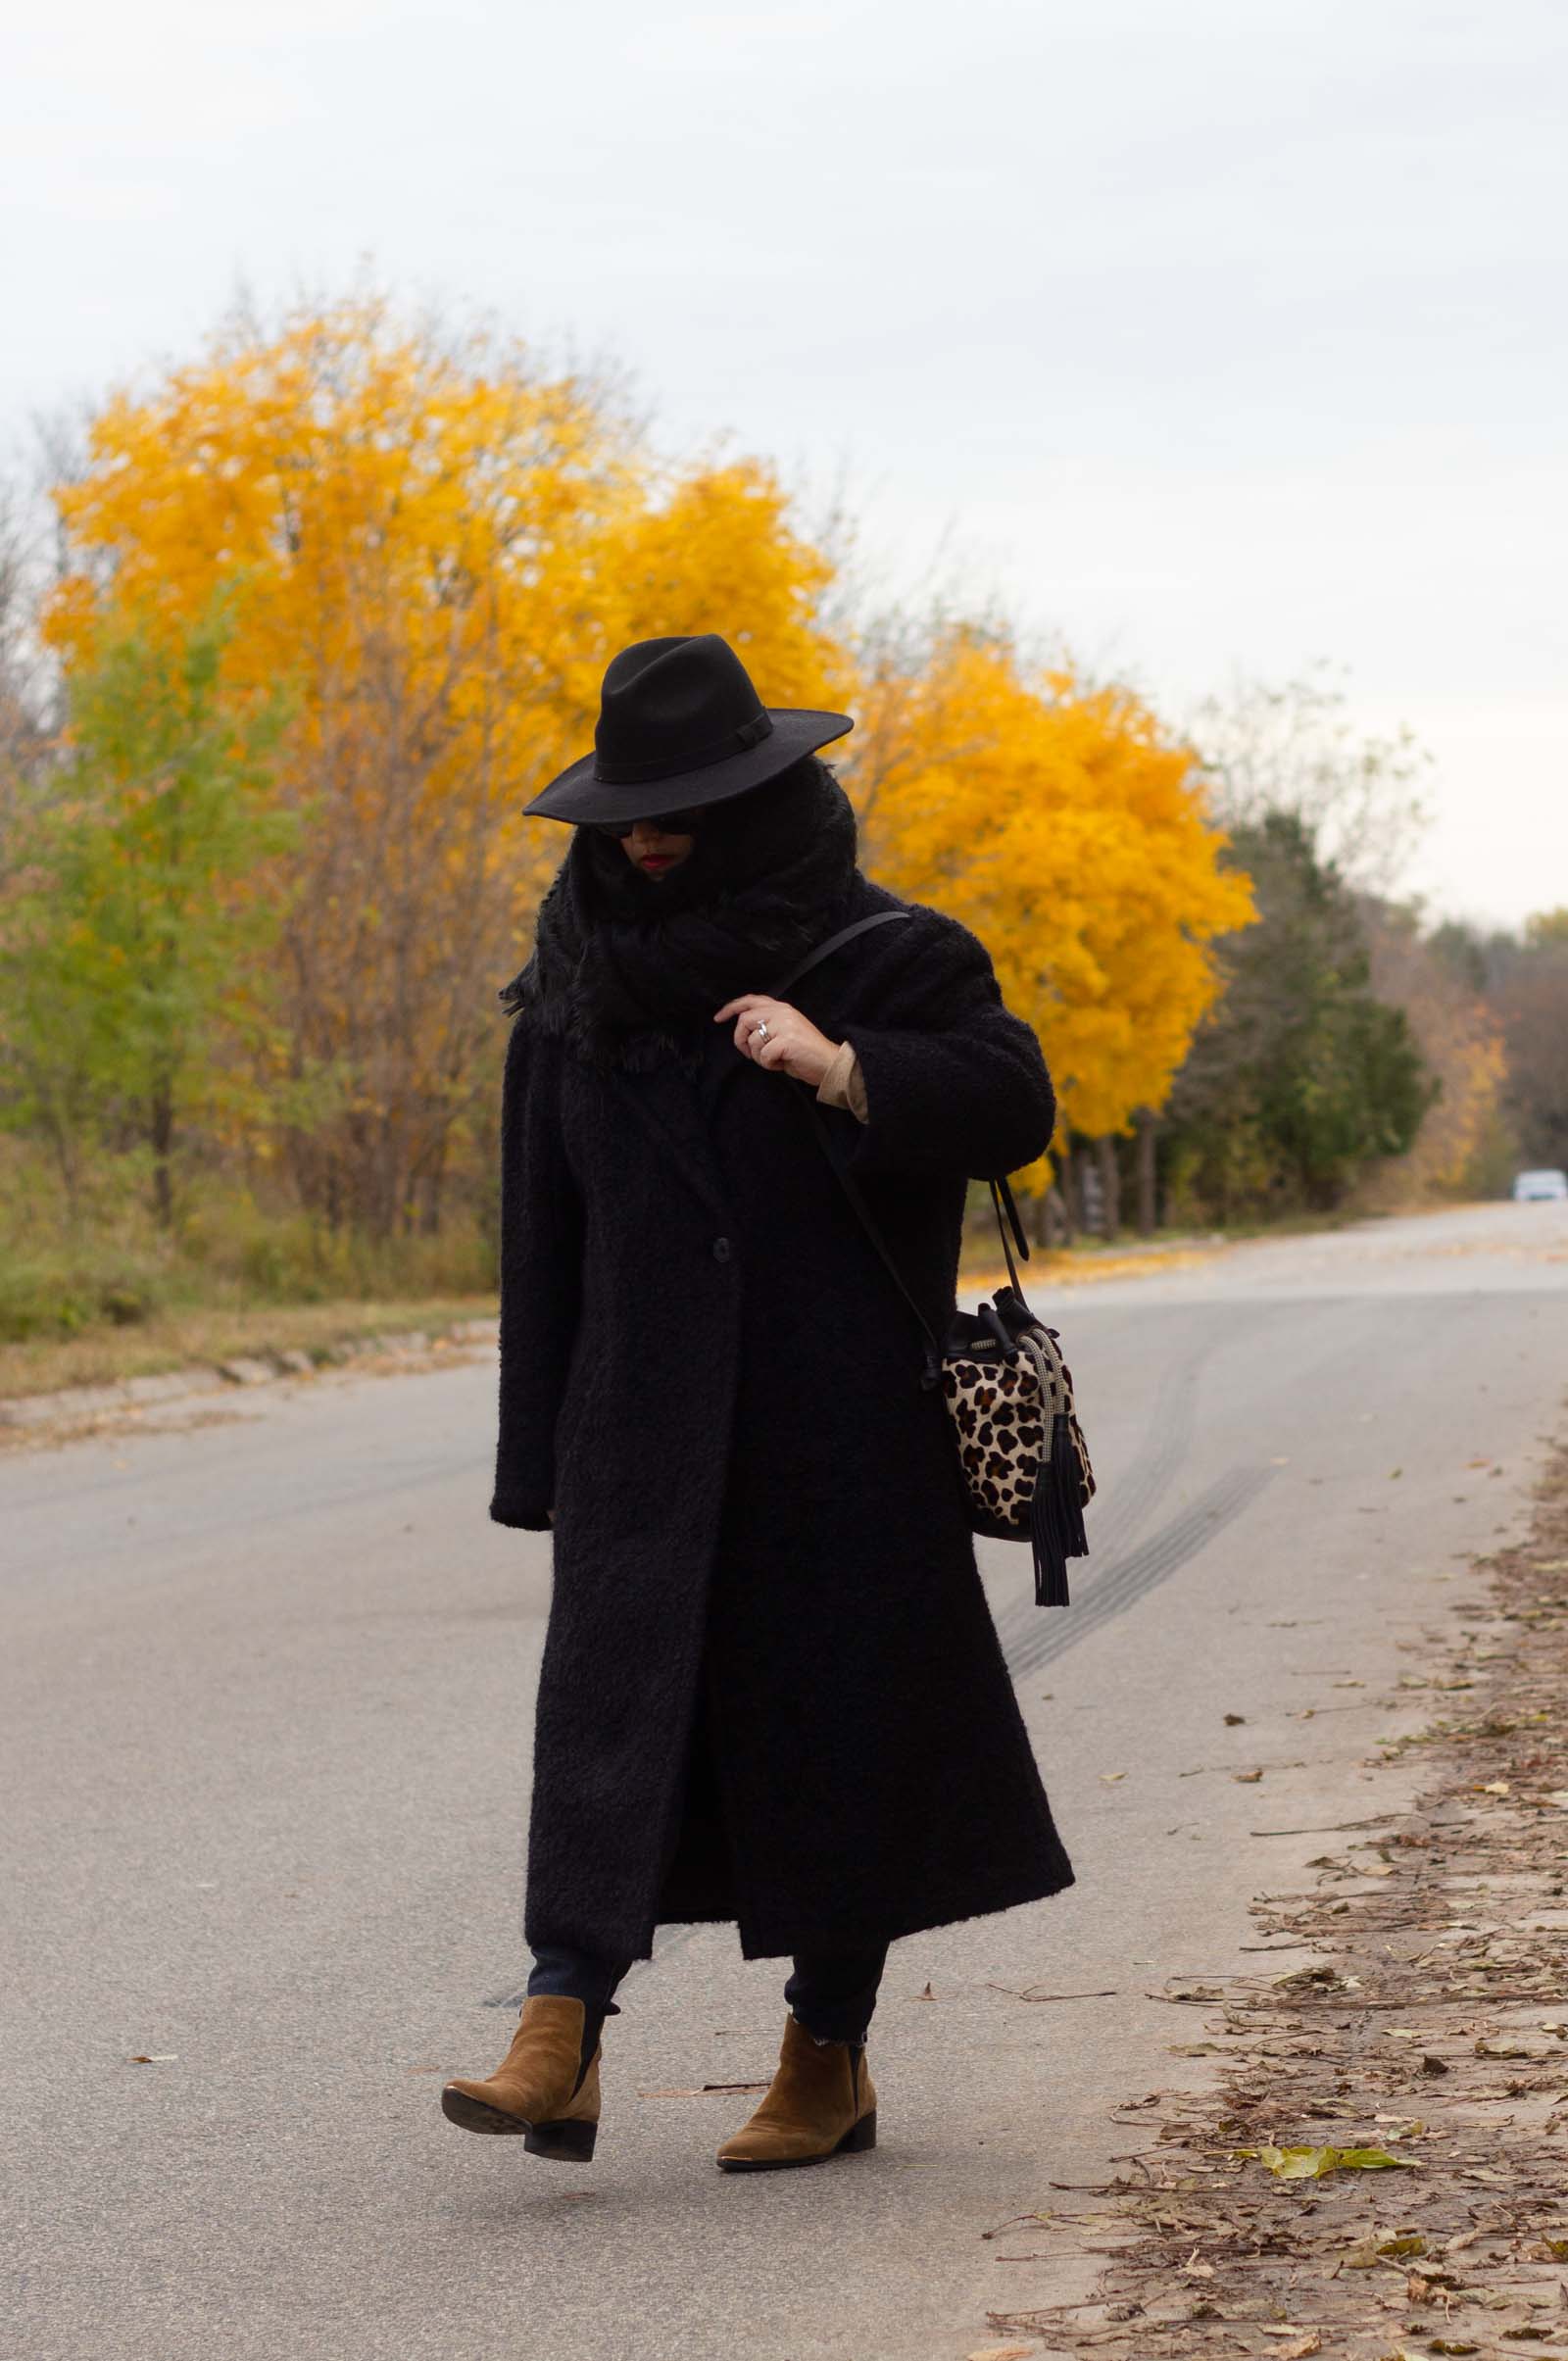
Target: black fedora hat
(681, 724)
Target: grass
(178, 1337)
(99, 1293)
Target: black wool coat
(772, 1689)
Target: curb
(244, 1369)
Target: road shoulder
(1429, 2027)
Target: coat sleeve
(541, 1271)
(959, 1083)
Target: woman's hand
(793, 1042)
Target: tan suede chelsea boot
(823, 2103)
(544, 2089)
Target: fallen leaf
(1111, 1777)
(1495, 1787)
(1234, 1721)
(1247, 1777)
(158, 2057)
(1003, 2353)
(1314, 2164)
(1193, 2269)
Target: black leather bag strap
(1000, 1194)
(1001, 1197)
(867, 1220)
(846, 934)
(807, 1097)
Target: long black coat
(772, 1689)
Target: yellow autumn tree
(433, 546)
(1067, 826)
(718, 549)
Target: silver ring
(761, 1032)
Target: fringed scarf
(626, 968)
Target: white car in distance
(1536, 1188)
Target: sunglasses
(668, 823)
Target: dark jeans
(831, 1992)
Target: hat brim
(576, 795)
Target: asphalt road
(265, 1680)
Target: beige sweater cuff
(844, 1084)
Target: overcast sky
(1222, 335)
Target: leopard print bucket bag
(1010, 1397)
(1008, 1392)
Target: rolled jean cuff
(834, 1997)
(568, 1975)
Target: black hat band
(637, 774)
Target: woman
(771, 1691)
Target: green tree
(132, 933)
(1301, 1076)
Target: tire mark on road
(1129, 1579)
(1139, 1491)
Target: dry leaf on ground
(1312, 2164)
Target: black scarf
(628, 968)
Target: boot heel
(861, 2135)
(562, 2142)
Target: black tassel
(1065, 1469)
(1057, 1518)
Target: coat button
(721, 1249)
